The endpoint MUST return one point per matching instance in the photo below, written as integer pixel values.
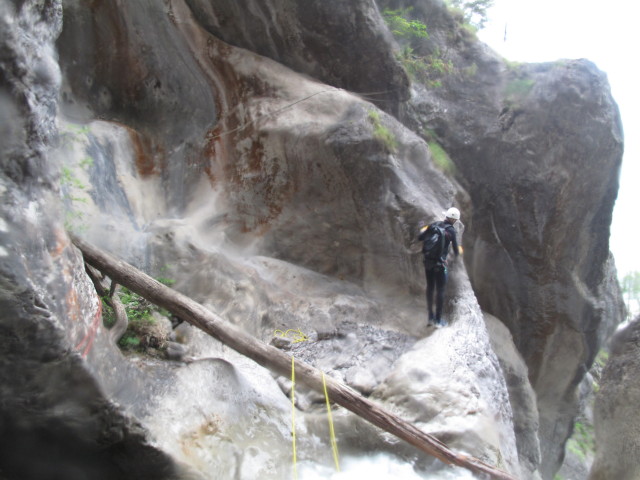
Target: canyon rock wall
(538, 149)
(276, 162)
(616, 420)
(55, 420)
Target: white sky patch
(606, 34)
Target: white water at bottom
(379, 466)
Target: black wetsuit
(436, 271)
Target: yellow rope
(301, 337)
(295, 335)
(334, 445)
(293, 417)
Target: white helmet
(453, 212)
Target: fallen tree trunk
(274, 359)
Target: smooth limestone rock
(56, 421)
(451, 385)
(279, 198)
(549, 288)
(521, 394)
(538, 150)
(615, 411)
(303, 218)
(332, 41)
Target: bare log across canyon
(274, 359)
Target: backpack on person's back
(433, 241)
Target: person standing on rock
(436, 239)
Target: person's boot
(432, 320)
(441, 322)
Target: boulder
(615, 411)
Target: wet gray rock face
(615, 411)
(521, 394)
(538, 149)
(55, 421)
(221, 144)
(539, 257)
(331, 41)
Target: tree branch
(111, 298)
